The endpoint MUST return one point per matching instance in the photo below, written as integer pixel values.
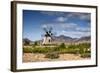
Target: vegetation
(62, 45)
(27, 50)
(53, 52)
(52, 55)
(26, 41)
(41, 50)
(86, 55)
(35, 44)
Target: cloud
(69, 25)
(47, 26)
(75, 34)
(67, 15)
(82, 16)
(75, 31)
(51, 13)
(61, 19)
(85, 16)
(69, 29)
(83, 29)
(44, 26)
(74, 27)
(63, 25)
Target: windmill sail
(48, 35)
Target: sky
(72, 24)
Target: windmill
(48, 36)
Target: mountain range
(67, 39)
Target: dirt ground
(31, 57)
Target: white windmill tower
(48, 35)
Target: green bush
(27, 50)
(71, 49)
(81, 51)
(72, 46)
(43, 50)
(52, 55)
(35, 43)
(86, 55)
(40, 50)
(79, 48)
(62, 45)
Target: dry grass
(31, 57)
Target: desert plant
(42, 50)
(86, 55)
(52, 55)
(27, 50)
(62, 45)
(35, 43)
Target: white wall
(5, 37)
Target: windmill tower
(47, 36)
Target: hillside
(67, 39)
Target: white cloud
(85, 17)
(82, 16)
(61, 26)
(52, 13)
(44, 26)
(83, 29)
(69, 25)
(69, 29)
(47, 26)
(61, 19)
(74, 27)
(75, 34)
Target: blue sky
(73, 24)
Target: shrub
(86, 55)
(42, 50)
(27, 50)
(79, 48)
(71, 49)
(52, 55)
(81, 51)
(35, 43)
(36, 50)
(62, 45)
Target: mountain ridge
(68, 39)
